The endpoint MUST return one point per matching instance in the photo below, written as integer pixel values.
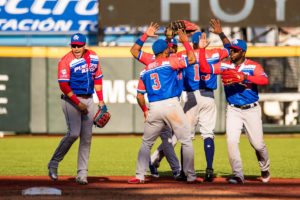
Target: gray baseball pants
(78, 126)
(250, 119)
(163, 115)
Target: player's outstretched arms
(150, 32)
(216, 28)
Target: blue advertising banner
(38, 16)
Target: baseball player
(79, 73)
(166, 135)
(200, 107)
(240, 77)
(159, 80)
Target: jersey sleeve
(145, 58)
(141, 87)
(216, 54)
(259, 71)
(98, 74)
(178, 63)
(63, 73)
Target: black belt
(245, 107)
(85, 96)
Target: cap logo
(235, 42)
(76, 37)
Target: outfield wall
(30, 96)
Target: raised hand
(152, 29)
(215, 26)
(182, 36)
(203, 43)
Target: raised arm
(216, 28)
(150, 32)
(204, 66)
(189, 50)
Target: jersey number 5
(156, 84)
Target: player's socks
(209, 148)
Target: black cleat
(53, 173)
(209, 175)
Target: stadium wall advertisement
(29, 90)
(44, 16)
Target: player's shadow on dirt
(201, 173)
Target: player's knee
(207, 135)
(72, 137)
(259, 146)
(231, 141)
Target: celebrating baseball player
(159, 80)
(240, 77)
(166, 135)
(79, 73)
(200, 107)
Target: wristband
(142, 40)
(144, 108)
(75, 99)
(187, 46)
(222, 36)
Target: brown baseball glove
(232, 76)
(102, 116)
(184, 25)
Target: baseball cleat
(81, 180)
(136, 181)
(235, 180)
(153, 171)
(53, 173)
(265, 176)
(196, 181)
(209, 175)
(179, 176)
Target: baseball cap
(196, 37)
(172, 42)
(159, 46)
(78, 38)
(238, 44)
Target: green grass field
(117, 156)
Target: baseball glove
(231, 76)
(101, 117)
(184, 25)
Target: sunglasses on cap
(76, 45)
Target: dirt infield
(162, 188)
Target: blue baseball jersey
(247, 92)
(193, 79)
(80, 73)
(160, 78)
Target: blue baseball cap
(196, 37)
(238, 44)
(159, 46)
(78, 38)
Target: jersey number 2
(155, 78)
